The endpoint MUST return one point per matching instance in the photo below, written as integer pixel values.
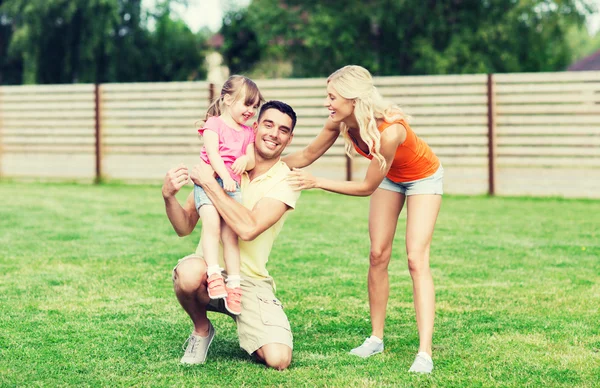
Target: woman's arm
(316, 148)
(391, 138)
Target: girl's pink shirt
(232, 143)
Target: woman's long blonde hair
(356, 83)
(234, 86)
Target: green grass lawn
(86, 296)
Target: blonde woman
(402, 169)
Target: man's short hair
(280, 106)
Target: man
(263, 327)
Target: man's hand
(202, 174)
(239, 166)
(175, 179)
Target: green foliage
(412, 37)
(582, 43)
(65, 41)
(241, 49)
(86, 297)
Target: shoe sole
(219, 296)
(367, 356)
(232, 312)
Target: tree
(65, 41)
(416, 37)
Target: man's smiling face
(273, 133)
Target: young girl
(403, 169)
(229, 150)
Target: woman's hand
(301, 179)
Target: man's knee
(189, 275)
(276, 356)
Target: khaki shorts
(262, 320)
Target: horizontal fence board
(48, 98)
(54, 114)
(549, 120)
(473, 150)
(154, 86)
(406, 100)
(50, 140)
(568, 99)
(528, 161)
(287, 83)
(151, 131)
(26, 107)
(299, 131)
(432, 90)
(563, 109)
(147, 122)
(455, 141)
(50, 89)
(48, 131)
(446, 110)
(545, 77)
(548, 151)
(585, 141)
(136, 149)
(191, 114)
(49, 148)
(200, 105)
(200, 96)
(431, 79)
(411, 110)
(546, 88)
(65, 122)
(550, 129)
(441, 100)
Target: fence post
(211, 92)
(348, 168)
(491, 94)
(98, 131)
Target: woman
(403, 169)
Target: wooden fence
(513, 134)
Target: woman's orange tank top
(413, 160)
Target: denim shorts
(200, 197)
(431, 185)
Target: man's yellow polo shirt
(254, 254)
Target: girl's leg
(211, 234)
(231, 253)
(231, 250)
(422, 212)
(383, 217)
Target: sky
(202, 13)
(209, 13)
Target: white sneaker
(371, 346)
(197, 347)
(423, 363)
